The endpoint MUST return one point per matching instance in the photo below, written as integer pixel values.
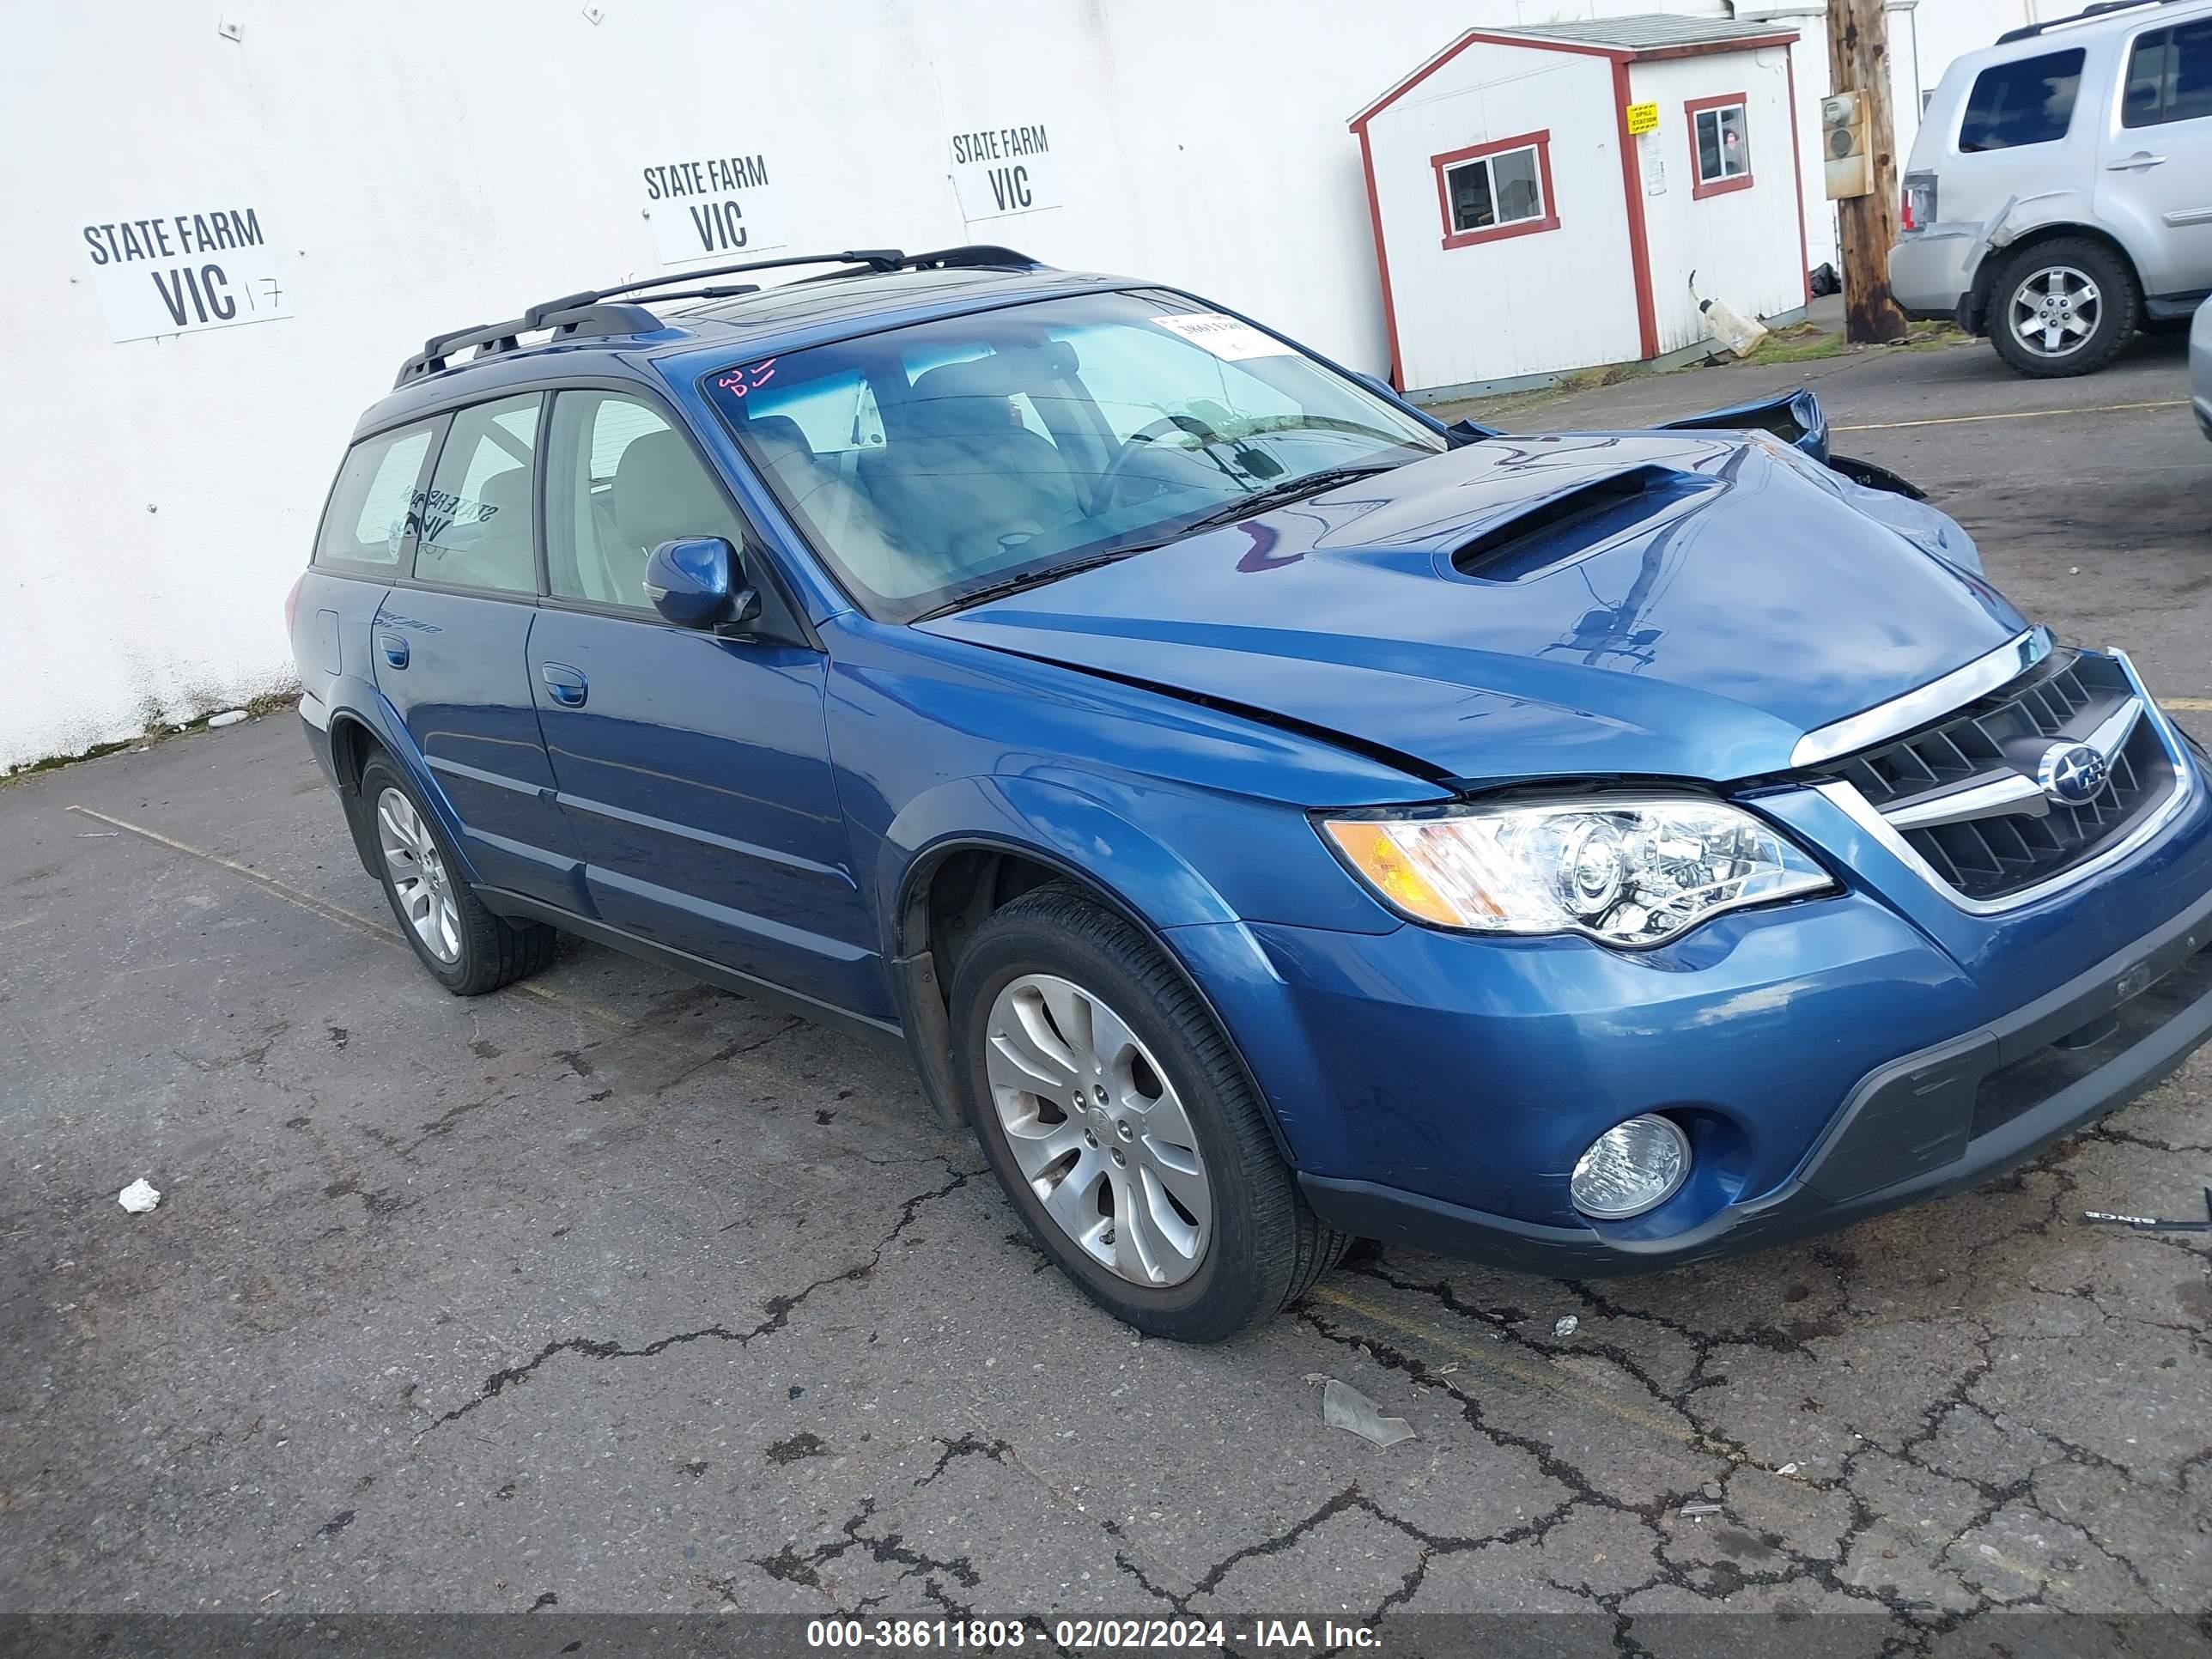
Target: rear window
(2028, 101)
(375, 504)
(2170, 75)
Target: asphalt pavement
(611, 1292)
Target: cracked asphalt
(612, 1292)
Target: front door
(2157, 161)
(451, 652)
(695, 769)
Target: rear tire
(1140, 1160)
(462, 945)
(2063, 308)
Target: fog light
(1633, 1167)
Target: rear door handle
(569, 686)
(393, 646)
(2141, 158)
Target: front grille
(2023, 842)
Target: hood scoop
(1578, 522)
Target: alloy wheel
(1098, 1131)
(2055, 310)
(419, 877)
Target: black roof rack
(601, 311)
(2030, 31)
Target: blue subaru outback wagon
(1268, 816)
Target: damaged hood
(1651, 604)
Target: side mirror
(693, 583)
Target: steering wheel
(1109, 480)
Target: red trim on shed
(1547, 220)
(1797, 172)
(1700, 186)
(1639, 238)
(1538, 43)
(1382, 260)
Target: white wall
(422, 166)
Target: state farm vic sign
(1001, 170)
(712, 207)
(181, 272)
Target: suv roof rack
(2029, 31)
(589, 312)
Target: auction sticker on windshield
(1224, 337)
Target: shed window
(1496, 190)
(1720, 144)
(2028, 101)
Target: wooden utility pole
(1858, 60)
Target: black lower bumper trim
(1931, 1123)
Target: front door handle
(569, 686)
(393, 646)
(2141, 158)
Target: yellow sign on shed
(1642, 118)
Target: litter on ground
(140, 1196)
(1343, 1407)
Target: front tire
(463, 946)
(1114, 1114)
(2063, 308)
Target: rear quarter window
(376, 503)
(2170, 75)
(2029, 100)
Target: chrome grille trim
(1930, 703)
(1848, 799)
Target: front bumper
(1934, 1121)
(1829, 1058)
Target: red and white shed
(1541, 196)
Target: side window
(622, 482)
(2029, 101)
(375, 501)
(476, 519)
(1720, 145)
(1499, 189)
(2170, 75)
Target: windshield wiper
(1027, 578)
(1281, 495)
(1259, 500)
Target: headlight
(1626, 871)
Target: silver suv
(2060, 192)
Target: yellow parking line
(380, 932)
(344, 918)
(2009, 414)
(1492, 1356)
(2187, 705)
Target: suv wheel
(1113, 1112)
(467, 949)
(2063, 308)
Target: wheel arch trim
(922, 989)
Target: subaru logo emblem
(2072, 774)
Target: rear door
(450, 650)
(2157, 165)
(695, 769)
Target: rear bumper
(1930, 272)
(1940, 1120)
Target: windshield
(930, 463)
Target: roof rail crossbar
(879, 258)
(970, 255)
(2029, 31)
(491, 339)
